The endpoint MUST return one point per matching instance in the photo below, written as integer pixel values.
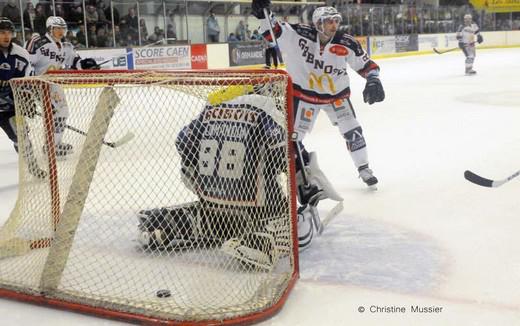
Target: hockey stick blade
(330, 216)
(484, 182)
(125, 139)
(445, 51)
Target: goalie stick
(484, 182)
(121, 141)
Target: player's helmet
(468, 19)
(55, 21)
(6, 24)
(322, 13)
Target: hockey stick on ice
(330, 216)
(476, 179)
(123, 140)
(444, 51)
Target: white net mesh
(171, 181)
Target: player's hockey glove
(373, 91)
(480, 39)
(461, 45)
(257, 8)
(89, 64)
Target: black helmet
(6, 24)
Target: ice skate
(470, 72)
(368, 177)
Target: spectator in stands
(92, 36)
(108, 14)
(91, 16)
(170, 32)
(12, 12)
(75, 15)
(102, 40)
(61, 12)
(241, 31)
(103, 19)
(80, 35)
(144, 31)
(118, 37)
(39, 20)
(232, 38)
(131, 21)
(28, 16)
(213, 29)
(170, 21)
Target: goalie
(233, 158)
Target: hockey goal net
(221, 244)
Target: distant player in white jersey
(467, 34)
(317, 60)
(50, 52)
(14, 63)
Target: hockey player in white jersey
(318, 60)
(467, 34)
(50, 52)
(14, 63)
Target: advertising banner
(246, 53)
(382, 45)
(406, 43)
(110, 59)
(497, 5)
(162, 57)
(199, 56)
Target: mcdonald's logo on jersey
(316, 82)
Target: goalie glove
(89, 64)
(257, 8)
(373, 91)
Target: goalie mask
(321, 14)
(56, 26)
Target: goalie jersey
(49, 55)
(233, 152)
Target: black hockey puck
(163, 293)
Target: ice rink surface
(427, 238)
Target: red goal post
(72, 240)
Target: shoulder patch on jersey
(338, 50)
(349, 41)
(306, 31)
(39, 42)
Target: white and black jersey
(236, 151)
(14, 63)
(467, 34)
(47, 54)
(319, 73)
